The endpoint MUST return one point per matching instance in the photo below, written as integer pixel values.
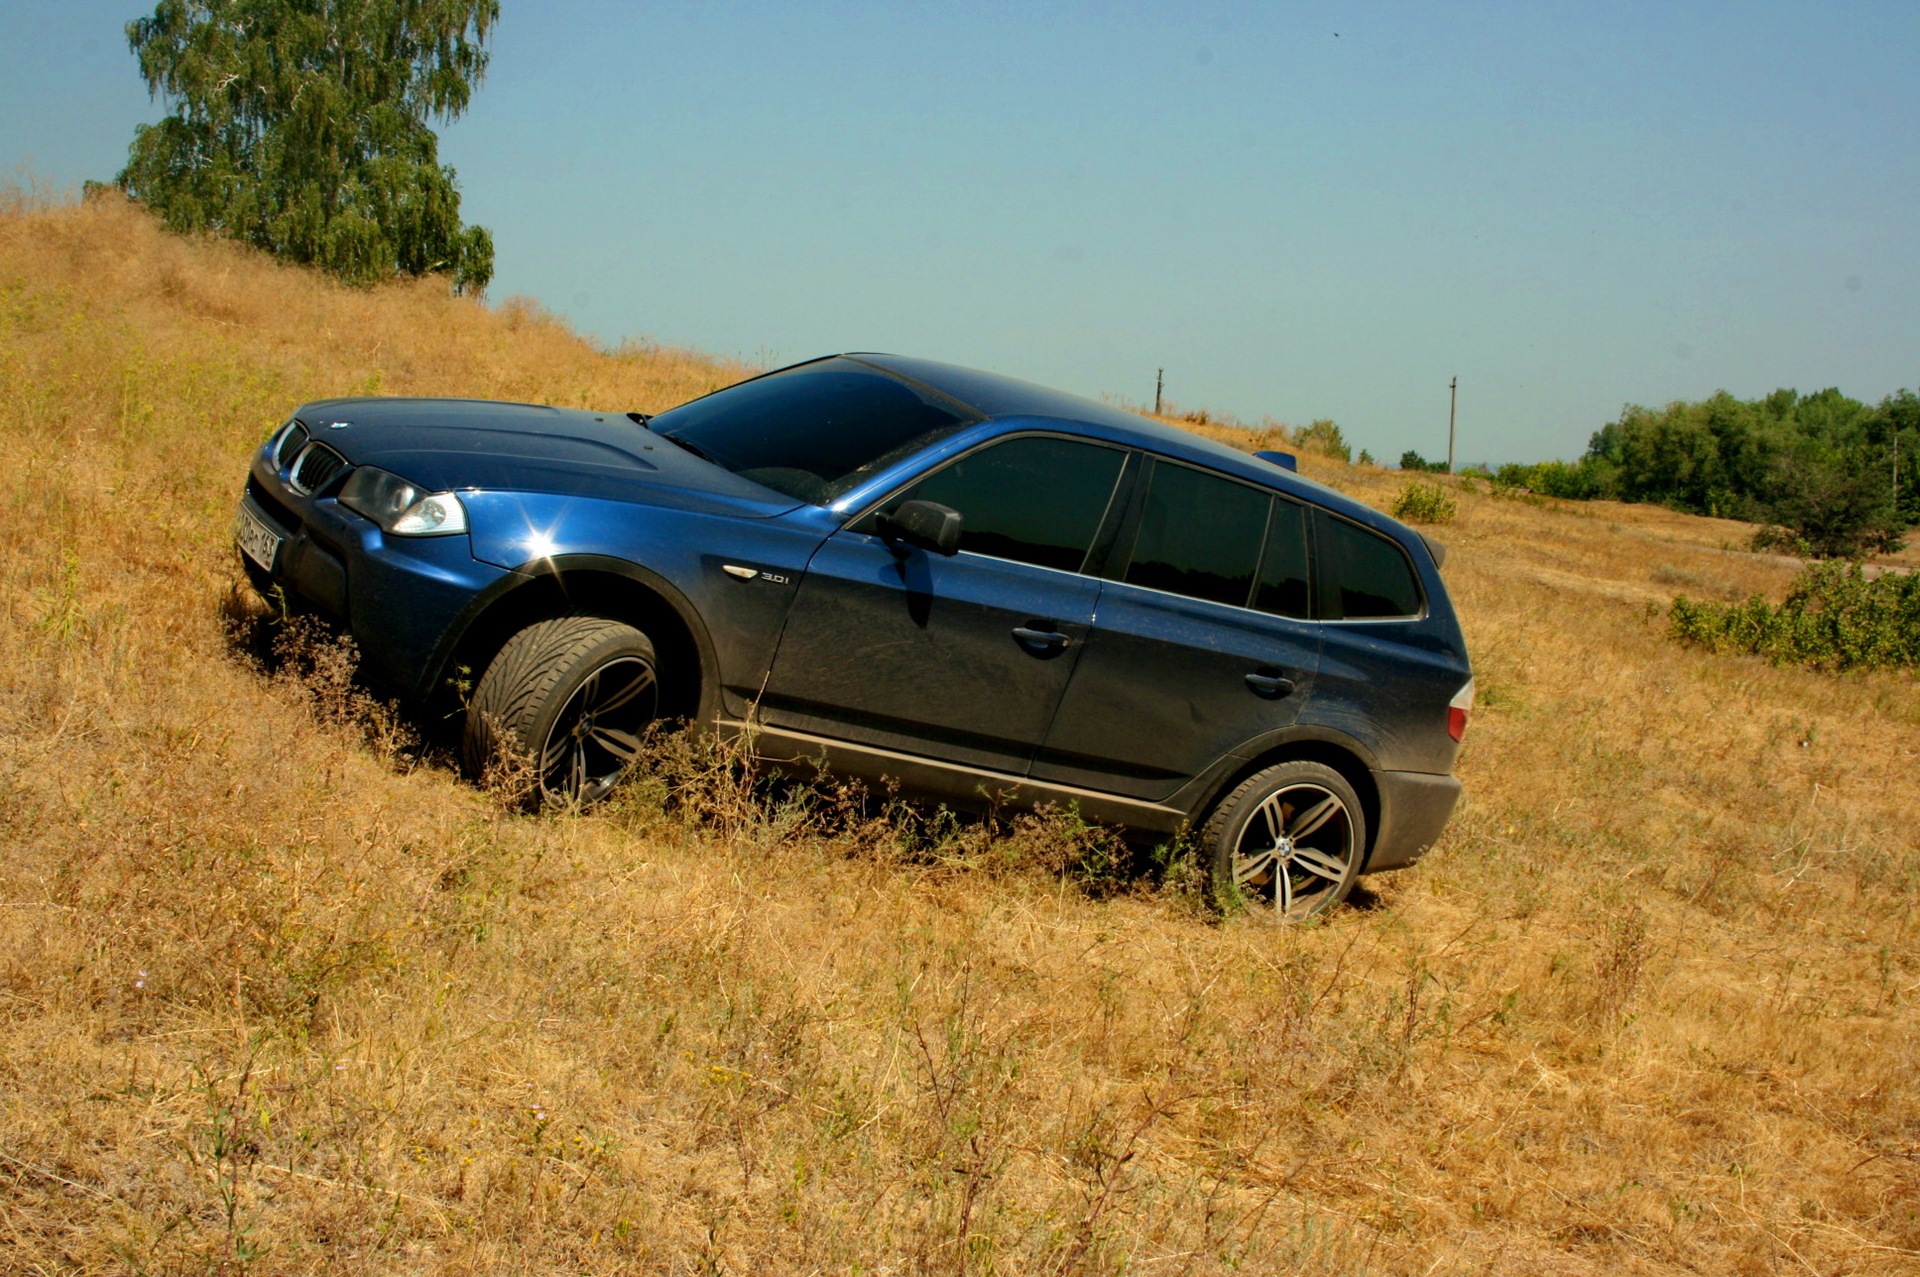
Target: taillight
(1457, 710)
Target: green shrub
(1424, 503)
(1833, 618)
(1325, 438)
(1583, 480)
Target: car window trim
(1113, 521)
(1231, 607)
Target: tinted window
(1365, 575)
(1034, 500)
(996, 396)
(1283, 569)
(813, 431)
(1200, 536)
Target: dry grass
(274, 994)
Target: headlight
(400, 508)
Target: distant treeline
(1819, 470)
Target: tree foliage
(1821, 467)
(300, 126)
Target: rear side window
(1199, 536)
(1283, 568)
(1363, 575)
(1034, 500)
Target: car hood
(447, 444)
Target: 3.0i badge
(749, 574)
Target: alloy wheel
(1295, 854)
(598, 731)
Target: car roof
(993, 396)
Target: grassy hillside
(275, 993)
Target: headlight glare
(399, 507)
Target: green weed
(1424, 503)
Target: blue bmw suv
(981, 590)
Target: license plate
(257, 541)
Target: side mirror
(927, 524)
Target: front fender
(696, 561)
(578, 582)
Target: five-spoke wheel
(573, 697)
(1287, 841)
(598, 731)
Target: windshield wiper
(640, 418)
(694, 448)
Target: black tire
(565, 706)
(1286, 842)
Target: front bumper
(397, 596)
(1414, 808)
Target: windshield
(813, 431)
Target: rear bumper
(1414, 808)
(397, 596)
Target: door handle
(1052, 640)
(1272, 686)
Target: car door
(960, 659)
(1202, 641)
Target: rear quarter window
(1363, 575)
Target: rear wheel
(568, 700)
(1286, 842)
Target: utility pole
(1453, 396)
(1159, 384)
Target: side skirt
(969, 788)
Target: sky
(1297, 210)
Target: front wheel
(571, 700)
(1286, 842)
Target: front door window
(1037, 499)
